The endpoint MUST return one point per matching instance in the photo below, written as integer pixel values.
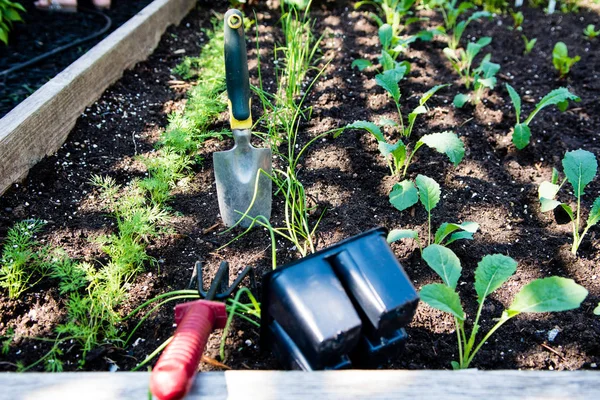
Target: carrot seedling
(580, 167)
(521, 133)
(539, 296)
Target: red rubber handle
(174, 371)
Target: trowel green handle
(236, 71)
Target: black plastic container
(344, 306)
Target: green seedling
(521, 133)
(451, 12)
(426, 190)
(529, 44)
(24, 260)
(590, 32)
(539, 296)
(561, 60)
(518, 19)
(9, 13)
(480, 78)
(392, 46)
(398, 156)
(389, 81)
(579, 167)
(393, 13)
(597, 309)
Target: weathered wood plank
(293, 385)
(41, 123)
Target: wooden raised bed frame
(39, 126)
(41, 123)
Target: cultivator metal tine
(219, 288)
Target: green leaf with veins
(443, 298)
(491, 273)
(361, 64)
(447, 143)
(388, 80)
(386, 34)
(429, 192)
(521, 136)
(548, 295)
(594, 216)
(460, 100)
(559, 97)
(404, 195)
(447, 228)
(369, 127)
(580, 168)
(548, 204)
(444, 262)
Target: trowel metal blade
(235, 174)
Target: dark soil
(495, 185)
(43, 31)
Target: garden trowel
(243, 184)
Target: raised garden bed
(495, 185)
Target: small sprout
(518, 19)
(580, 167)
(482, 77)
(541, 295)
(521, 133)
(590, 32)
(529, 44)
(561, 60)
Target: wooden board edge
(347, 385)
(41, 123)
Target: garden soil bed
(495, 186)
(43, 31)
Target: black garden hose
(57, 50)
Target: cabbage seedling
(561, 60)
(529, 44)
(590, 32)
(482, 77)
(427, 191)
(398, 155)
(541, 295)
(580, 168)
(521, 132)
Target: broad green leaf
(548, 295)
(580, 168)
(429, 94)
(398, 151)
(547, 190)
(594, 216)
(386, 61)
(548, 204)
(369, 127)
(516, 100)
(459, 236)
(443, 298)
(491, 273)
(447, 228)
(386, 33)
(479, 14)
(361, 64)
(397, 234)
(460, 100)
(521, 136)
(444, 262)
(429, 192)
(12, 15)
(388, 81)
(447, 143)
(559, 97)
(404, 195)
